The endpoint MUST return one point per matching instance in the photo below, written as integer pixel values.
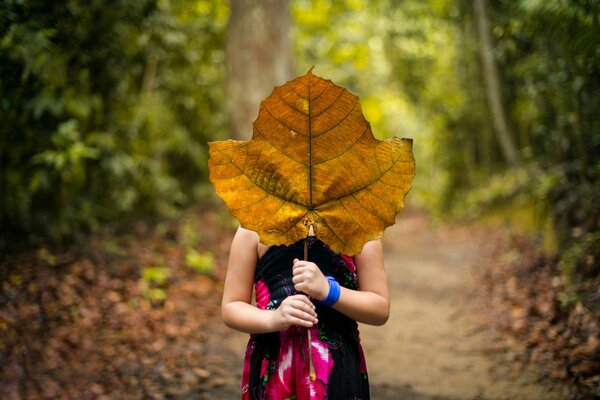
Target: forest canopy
(107, 107)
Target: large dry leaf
(313, 160)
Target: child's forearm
(362, 306)
(293, 310)
(247, 318)
(365, 307)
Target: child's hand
(309, 279)
(295, 310)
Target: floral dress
(276, 365)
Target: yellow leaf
(313, 160)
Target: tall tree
(492, 85)
(259, 56)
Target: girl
(327, 295)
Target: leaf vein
(281, 122)
(332, 104)
(347, 149)
(351, 215)
(367, 210)
(337, 123)
(258, 186)
(293, 107)
(278, 149)
(331, 229)
(252, 204)
(377, 178)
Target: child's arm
(370, 304)
(236, 308)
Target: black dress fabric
(276, 365)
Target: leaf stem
(310, 179)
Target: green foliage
(189, 237)
(577, 259)
(106, 109)
(498, 189)
(202, 263)
(156, 275)
(153, 281)
(45, 255)
(190, 234)
(342, 40)
(550, 61)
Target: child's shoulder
(247, 234)
(251, 239)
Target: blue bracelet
(334, 292)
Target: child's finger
(307, 315)
(304, 299)
(296, 264)
(302, 322)
(298, 269)
(299, 287)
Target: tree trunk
(492, 86)
(258, 57)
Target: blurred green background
(106, 107)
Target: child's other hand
(309, 279)
(295, 310)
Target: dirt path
(431, 347)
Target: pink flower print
(264, 370)
(263, 297)
(281, 385)
(349, 262)
(246, 371)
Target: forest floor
(83, 324)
